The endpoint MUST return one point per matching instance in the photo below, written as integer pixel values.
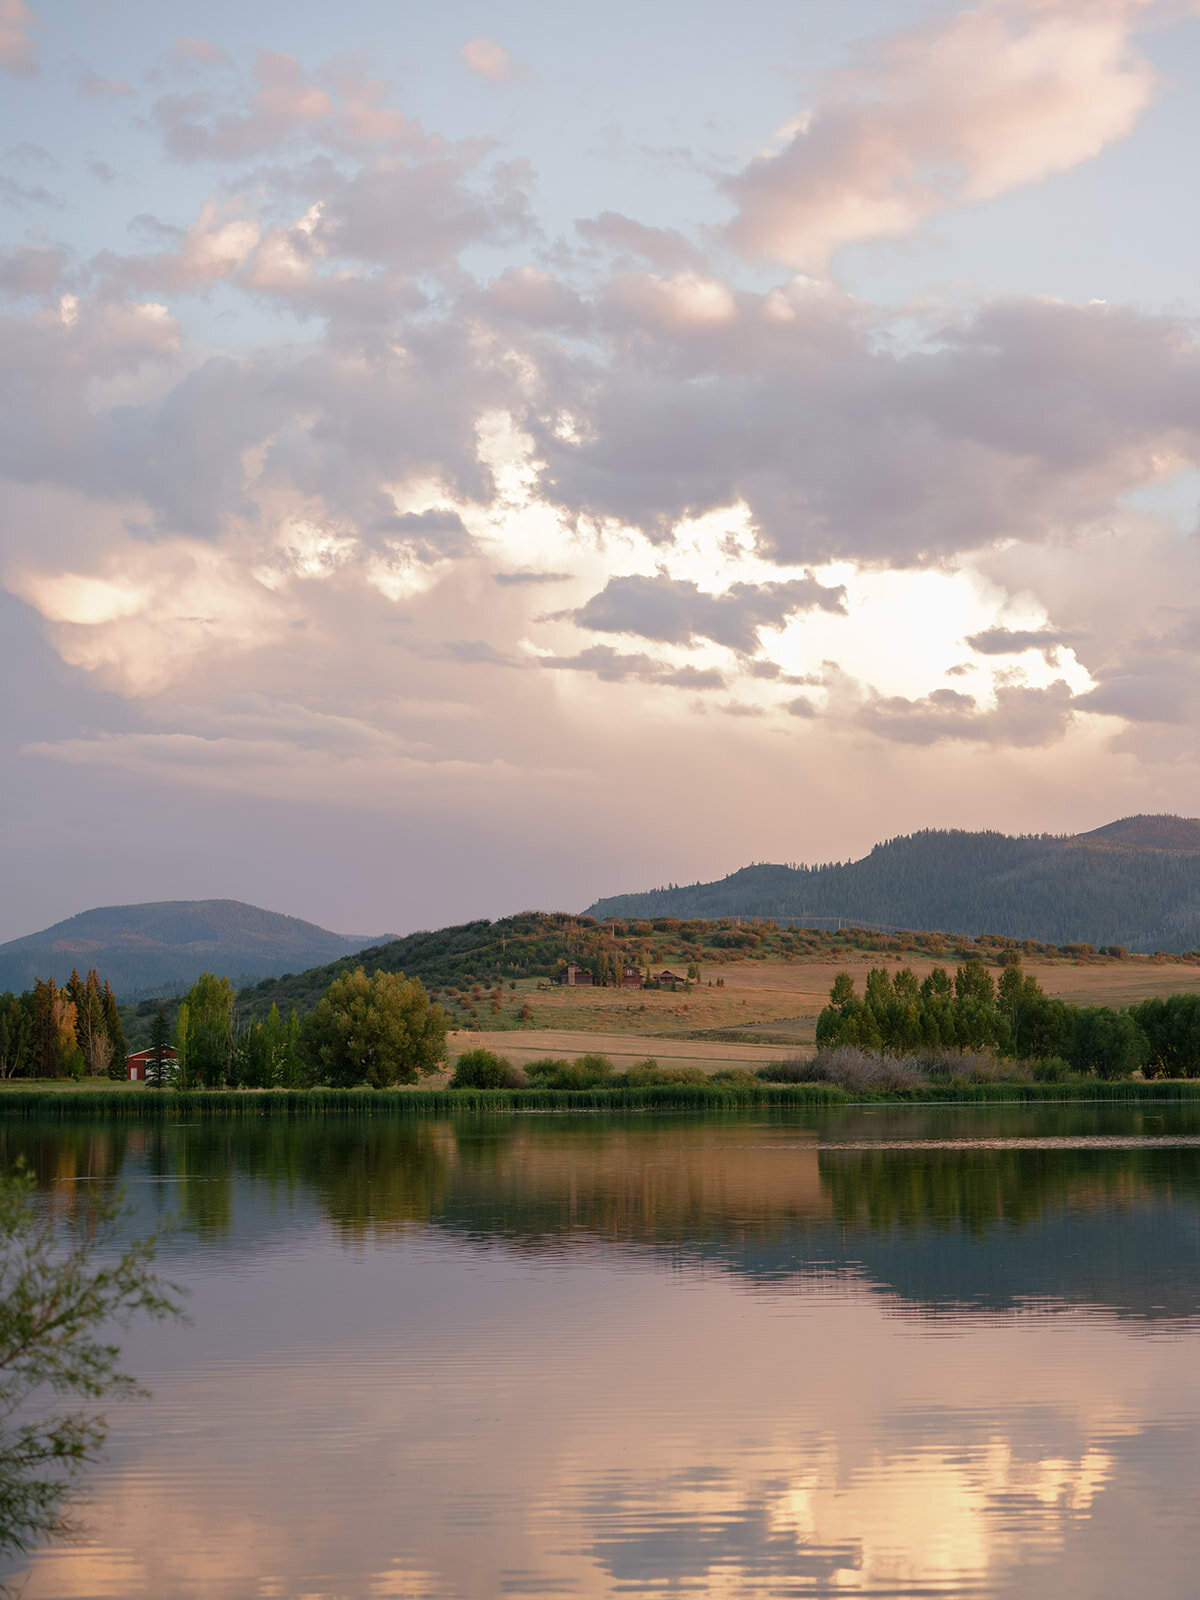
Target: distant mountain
(1134, 882)
(163, 947)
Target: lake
(879, 1351)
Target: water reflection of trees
(532, 1180)
(63, 1158)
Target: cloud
(953, 112)
(477, 652)
(1025, 420)
(19, 195)
(614, 666)
(18, 48)
(490, 60)
(1021, 716)
(427, 536)
(509, 579)
(416, 215)
(31, 270)
(218, 242)
(31, 154)
(662, 247)
(538, 299)
(188, 53)
(353, 252)
(677, 611)
(1012, 642)
(92, 87)
(283, 106)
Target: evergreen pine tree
(116, 1033)
(159, 1065)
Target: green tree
(210, 1030)
(1106, 1042)
(880, 992)
(1172, 1031)
(55, 1052)
(16, 1035)
(1038, 1025)
(58, 1308)
(91, 1026)
(116, 1034)
(377, 1030)
(183, 1024)
(293, 1070)
(159, 1066)
(843, 990)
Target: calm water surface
(893, 1352)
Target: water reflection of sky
(652, 1360)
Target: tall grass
(152, 1105)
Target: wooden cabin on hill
(666, 979)
(574, 976)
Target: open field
(74, 1085)
(623, 1049)
(763, 1011)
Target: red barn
(138, 1064)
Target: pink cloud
(189, 52)
(17, 46)
(490, 60)
(957, 111)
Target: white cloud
(953, 112)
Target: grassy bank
(151, 1105)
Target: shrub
(1052, 1070)
(586, 1072)
(858, 1070)
(648, 1074)
(481, 1069)
(797, 1070)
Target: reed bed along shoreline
(170, 1104)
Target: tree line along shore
(965, 1029)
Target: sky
(469, 458)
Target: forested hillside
(1135, 882)
(532, 943)
(164, 946)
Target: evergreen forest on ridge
(1135, 882)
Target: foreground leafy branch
(60, 1300)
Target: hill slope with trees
(1134, 882)
(164, 946)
